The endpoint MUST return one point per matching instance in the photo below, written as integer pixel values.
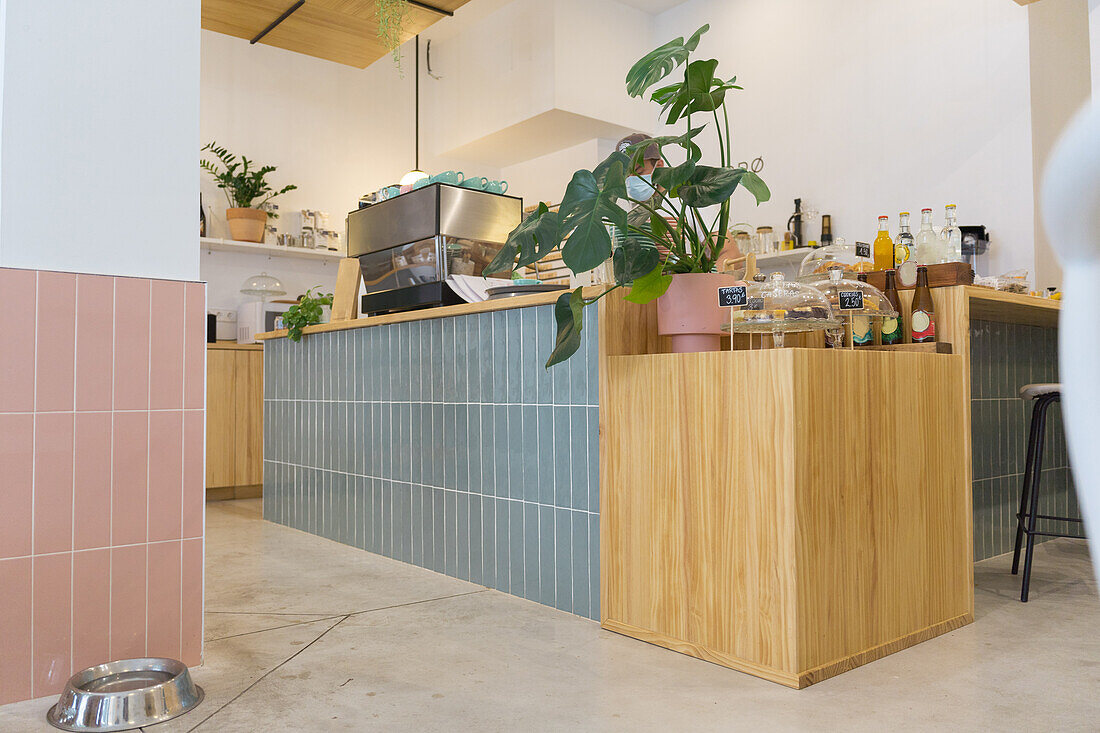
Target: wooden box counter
(791, 513)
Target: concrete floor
(303, 634)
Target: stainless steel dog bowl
(124, 695)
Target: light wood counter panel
(789, 513)
(234, 346)
(234, 422)
(424, 314)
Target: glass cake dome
(263, 286)
(778, 305)
(853, 297)
(819, 261)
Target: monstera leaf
(709, 186)
(660, 62)
(536, 236)
(569, 314)
(700, 91)
(684, 141)
(586, 209)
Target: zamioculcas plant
(306, 312)
(242, 184)
(596, 201)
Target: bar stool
(1043, 395)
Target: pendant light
(416, 174)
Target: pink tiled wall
(102, 384)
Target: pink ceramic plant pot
(689, 314)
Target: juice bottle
(883, 248)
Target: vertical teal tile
(440, 438)
(580, 552)
(523, 455)
(593, 459)
(547, 568)
(462, 534)
(544, 344)
(460, 439)
(528, 361)
(449, 448)
(517, 544)
(475, 539)
(594, 565)
(439, 534)
(447, 360)
(487, 443)
(363, 507)
(488, 541)
(544, 473)
(513, 342)
(503, 546)
(472, 441)
(531, 557)
(578, 457)
(387, 519)
(450, 533)
(563, 560)
(495, 341)
(416, 446)
(461, 369)
(502, 436)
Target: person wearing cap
(639, 182)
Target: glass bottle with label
(891, 327)
(826, 230)
(903, 252)
(883, 246)
(862, 332)
(951, 237)
(927, 243)
(922, 318)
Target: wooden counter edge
(987, 304)
(234, 346)
(424, 314)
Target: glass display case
(819, 261)
(779, 306)
(857, 303)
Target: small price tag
(755, 304)
(732, 295)
(851, 300)
(863, 250)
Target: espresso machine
(407, 246)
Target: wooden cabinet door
(221, 438)
(248, 400)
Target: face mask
(639, 188)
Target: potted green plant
(672, 217)
(306, 312)
(245, 188)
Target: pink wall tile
(166, 355)
(132, 319)
(17, 356)
(165, 474)
(56, 341)
(191, 620)
(194, 358)
(128, 599)
(194, 473)
(53, 482)
(15, 631)
(164, 600)
(129, 497)
(92, 480)
(17, 470)
(91, 608)
(52, 642)
(95, 297)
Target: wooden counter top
(234, 346)
(463, 309)
(987, 304)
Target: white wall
(1094, 44)
(225, 272)
(868, 107)
(100, 121)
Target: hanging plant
(390, 15)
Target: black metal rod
(417, 102)
(432, 8)
(286, 14)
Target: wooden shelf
(227, 245)
(344, 31)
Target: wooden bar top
(987, 304)
(463, 309)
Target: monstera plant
(599, 219)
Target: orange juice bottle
(883, 248)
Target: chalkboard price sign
(863, 249)
(732, 295)
(851, 300)
(755, 304)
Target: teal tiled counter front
(1003, 358)
(444, 443)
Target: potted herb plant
(246, 189)
(667, 239)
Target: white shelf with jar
(228, 245)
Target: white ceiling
(653, 6)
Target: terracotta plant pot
(689, 314)
(246, 225)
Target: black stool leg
(1025, 486)
(1036, 473)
